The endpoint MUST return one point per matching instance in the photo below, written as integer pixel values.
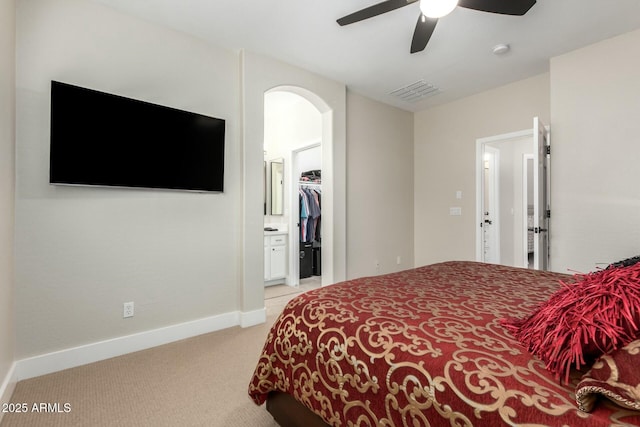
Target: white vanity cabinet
(275, 258)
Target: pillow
(625, 262)
(598, 313)
(615, 376)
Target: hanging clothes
(310, 192)
(314, 214)
(310, 213)
(318, 196)
(304, 214)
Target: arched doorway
(259, 76)
(321, 139)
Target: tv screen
(108, 140)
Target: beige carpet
(277, 291)
(201, 381)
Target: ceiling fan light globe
(437, 8)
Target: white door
(540, 202)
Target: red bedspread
(422, 347)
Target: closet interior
(310, 202)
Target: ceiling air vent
(415, 91)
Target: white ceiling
(372, 57)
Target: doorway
(513, 198)
(491, 210)
(306, 254)
(294, 129)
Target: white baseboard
(7, 386)
(94, 352)
(252, 318)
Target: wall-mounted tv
(108, 140)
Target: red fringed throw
(597, 314)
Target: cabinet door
(278, 262)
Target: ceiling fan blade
(375, 10)
(422, 33)
(504, 7)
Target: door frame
(542, 209)
(481, 143)
(525, 207)
(494, 202)
(294, 217)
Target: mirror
(277, 187)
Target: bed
(422, 347)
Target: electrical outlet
(127, 309)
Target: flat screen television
(108, 140)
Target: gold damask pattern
(615, 376)
(422, 347)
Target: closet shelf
(310, 184)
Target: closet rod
(311, 184)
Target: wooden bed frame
(288, 412)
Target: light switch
(458, 194)
(455, 211)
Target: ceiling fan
(432, 10)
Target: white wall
(380, 188)
(591, 99)
(444, 162)
(290, 120)
(595, 106)
(82, 252)
(7, 184)
(308, 160)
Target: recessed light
(501, 49)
